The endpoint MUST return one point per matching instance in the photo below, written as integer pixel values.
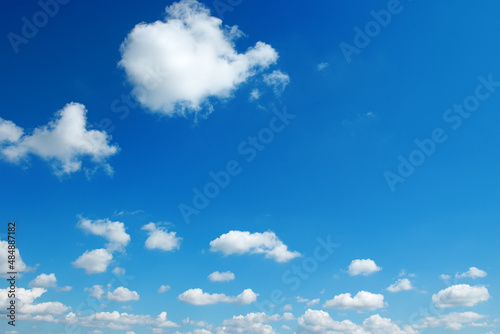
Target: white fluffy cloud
(473, 272)
(317, 321)
(95, 261)
(114, 232)
(25, 299)
(163, 288)
(177, 64)
(278, 80)
(241, 242)
(363, 300)
(198, 297)
(363, 267)
(403, 284)
(122, 294)
(44, 281)
(378, 325)
(63, 142)
(96, 291)
(20, 266)
(452, 321)
(461, 295)
(123, 321)
(217, 276)
(251, 323)
(160, 239)
(307, 301)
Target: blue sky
(355, 146)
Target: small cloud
(254, 94)
(95, 261)
(163, 288)
(313, 302)
(473, 273)
(278, 80)
(444, 277)
(221, 277)
(322, 66)
(362, 301)
(160, 238)
(403, 284)
(122, 294)
(44, 281)
(363, 267)
(461, 295)
(241, 242)
(198, 297)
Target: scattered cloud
(64, 142)
(123, 321)
(452, 321)
(198, 297)
(163, 288)
(221, 277)
(363, 267)
(25, 299)
(178, 64)
(251, 323)
(96, 291)
(461, 295)
(122, 294)
(255, 94)
(320, 322)
(473, 272)
(278, 80)
(307, 301)
(160, 239)
(313, 302)
(444, 277)
(322, 66)
(114, 232)
(403, 284)
(44, 281)
(95, 261)
(362, 301)
(241, 242)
